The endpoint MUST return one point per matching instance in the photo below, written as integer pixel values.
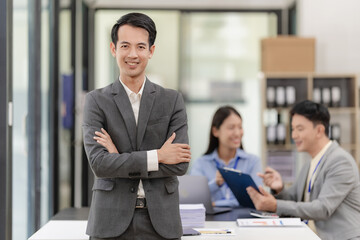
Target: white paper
(269, 222)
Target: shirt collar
(322, 152)
(129, 92)
(239, 154)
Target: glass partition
(20, 96)
(30, 197)
(220, 62)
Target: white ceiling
(192, 4)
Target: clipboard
(238, 182)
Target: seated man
(327, 189)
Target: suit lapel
(147, 101)
(302, 181)
(319, 169)
(123, 104)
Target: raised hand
(105, 140)
(272, 179)
(174, 153)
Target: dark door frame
(6, 119)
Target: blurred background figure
(225, 150)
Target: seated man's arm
(340, 180)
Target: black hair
(315, 112)
(136, 20)
(220, 115)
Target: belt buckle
(140, 203)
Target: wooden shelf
(346, 115)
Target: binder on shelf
(317, 95)
(280, 96)
(290, 95)
(335, 96)
(271, 134)
(335, 132)
(270, 97)
(326, 96)
(280, 133)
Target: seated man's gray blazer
(334, 198)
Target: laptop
(195, 190)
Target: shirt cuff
(152, 161)
(213, 186)
(227, 203)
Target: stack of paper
(275, 222)
(192, 215)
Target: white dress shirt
(152, 157)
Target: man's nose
(132, 52)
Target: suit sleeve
(178, 124)
(105, 164)
(340, 180)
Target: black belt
(140, 203)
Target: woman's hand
(105, 140)
(219, 179)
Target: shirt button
(132, 190)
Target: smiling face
(229, 133)
(132, 52)
(306, 135)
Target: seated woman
(225, 150)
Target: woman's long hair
(220, 115)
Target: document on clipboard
(238, 182)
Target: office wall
(336, 27)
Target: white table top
(75, 230)
(256, 233)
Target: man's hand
(105, 140)
(174, 153)
(263, 201)
(219, 179)
(272, 179)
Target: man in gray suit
(327, 190)
(135, 193)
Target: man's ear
(320, 129)
(113, 49)
(152, 50)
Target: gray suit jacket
(161, 113)
(334, 198)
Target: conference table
(70, 224)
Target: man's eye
(123, 46)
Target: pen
(215, 232)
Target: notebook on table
(194, 190)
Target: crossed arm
(169, 153)
(173, 154)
